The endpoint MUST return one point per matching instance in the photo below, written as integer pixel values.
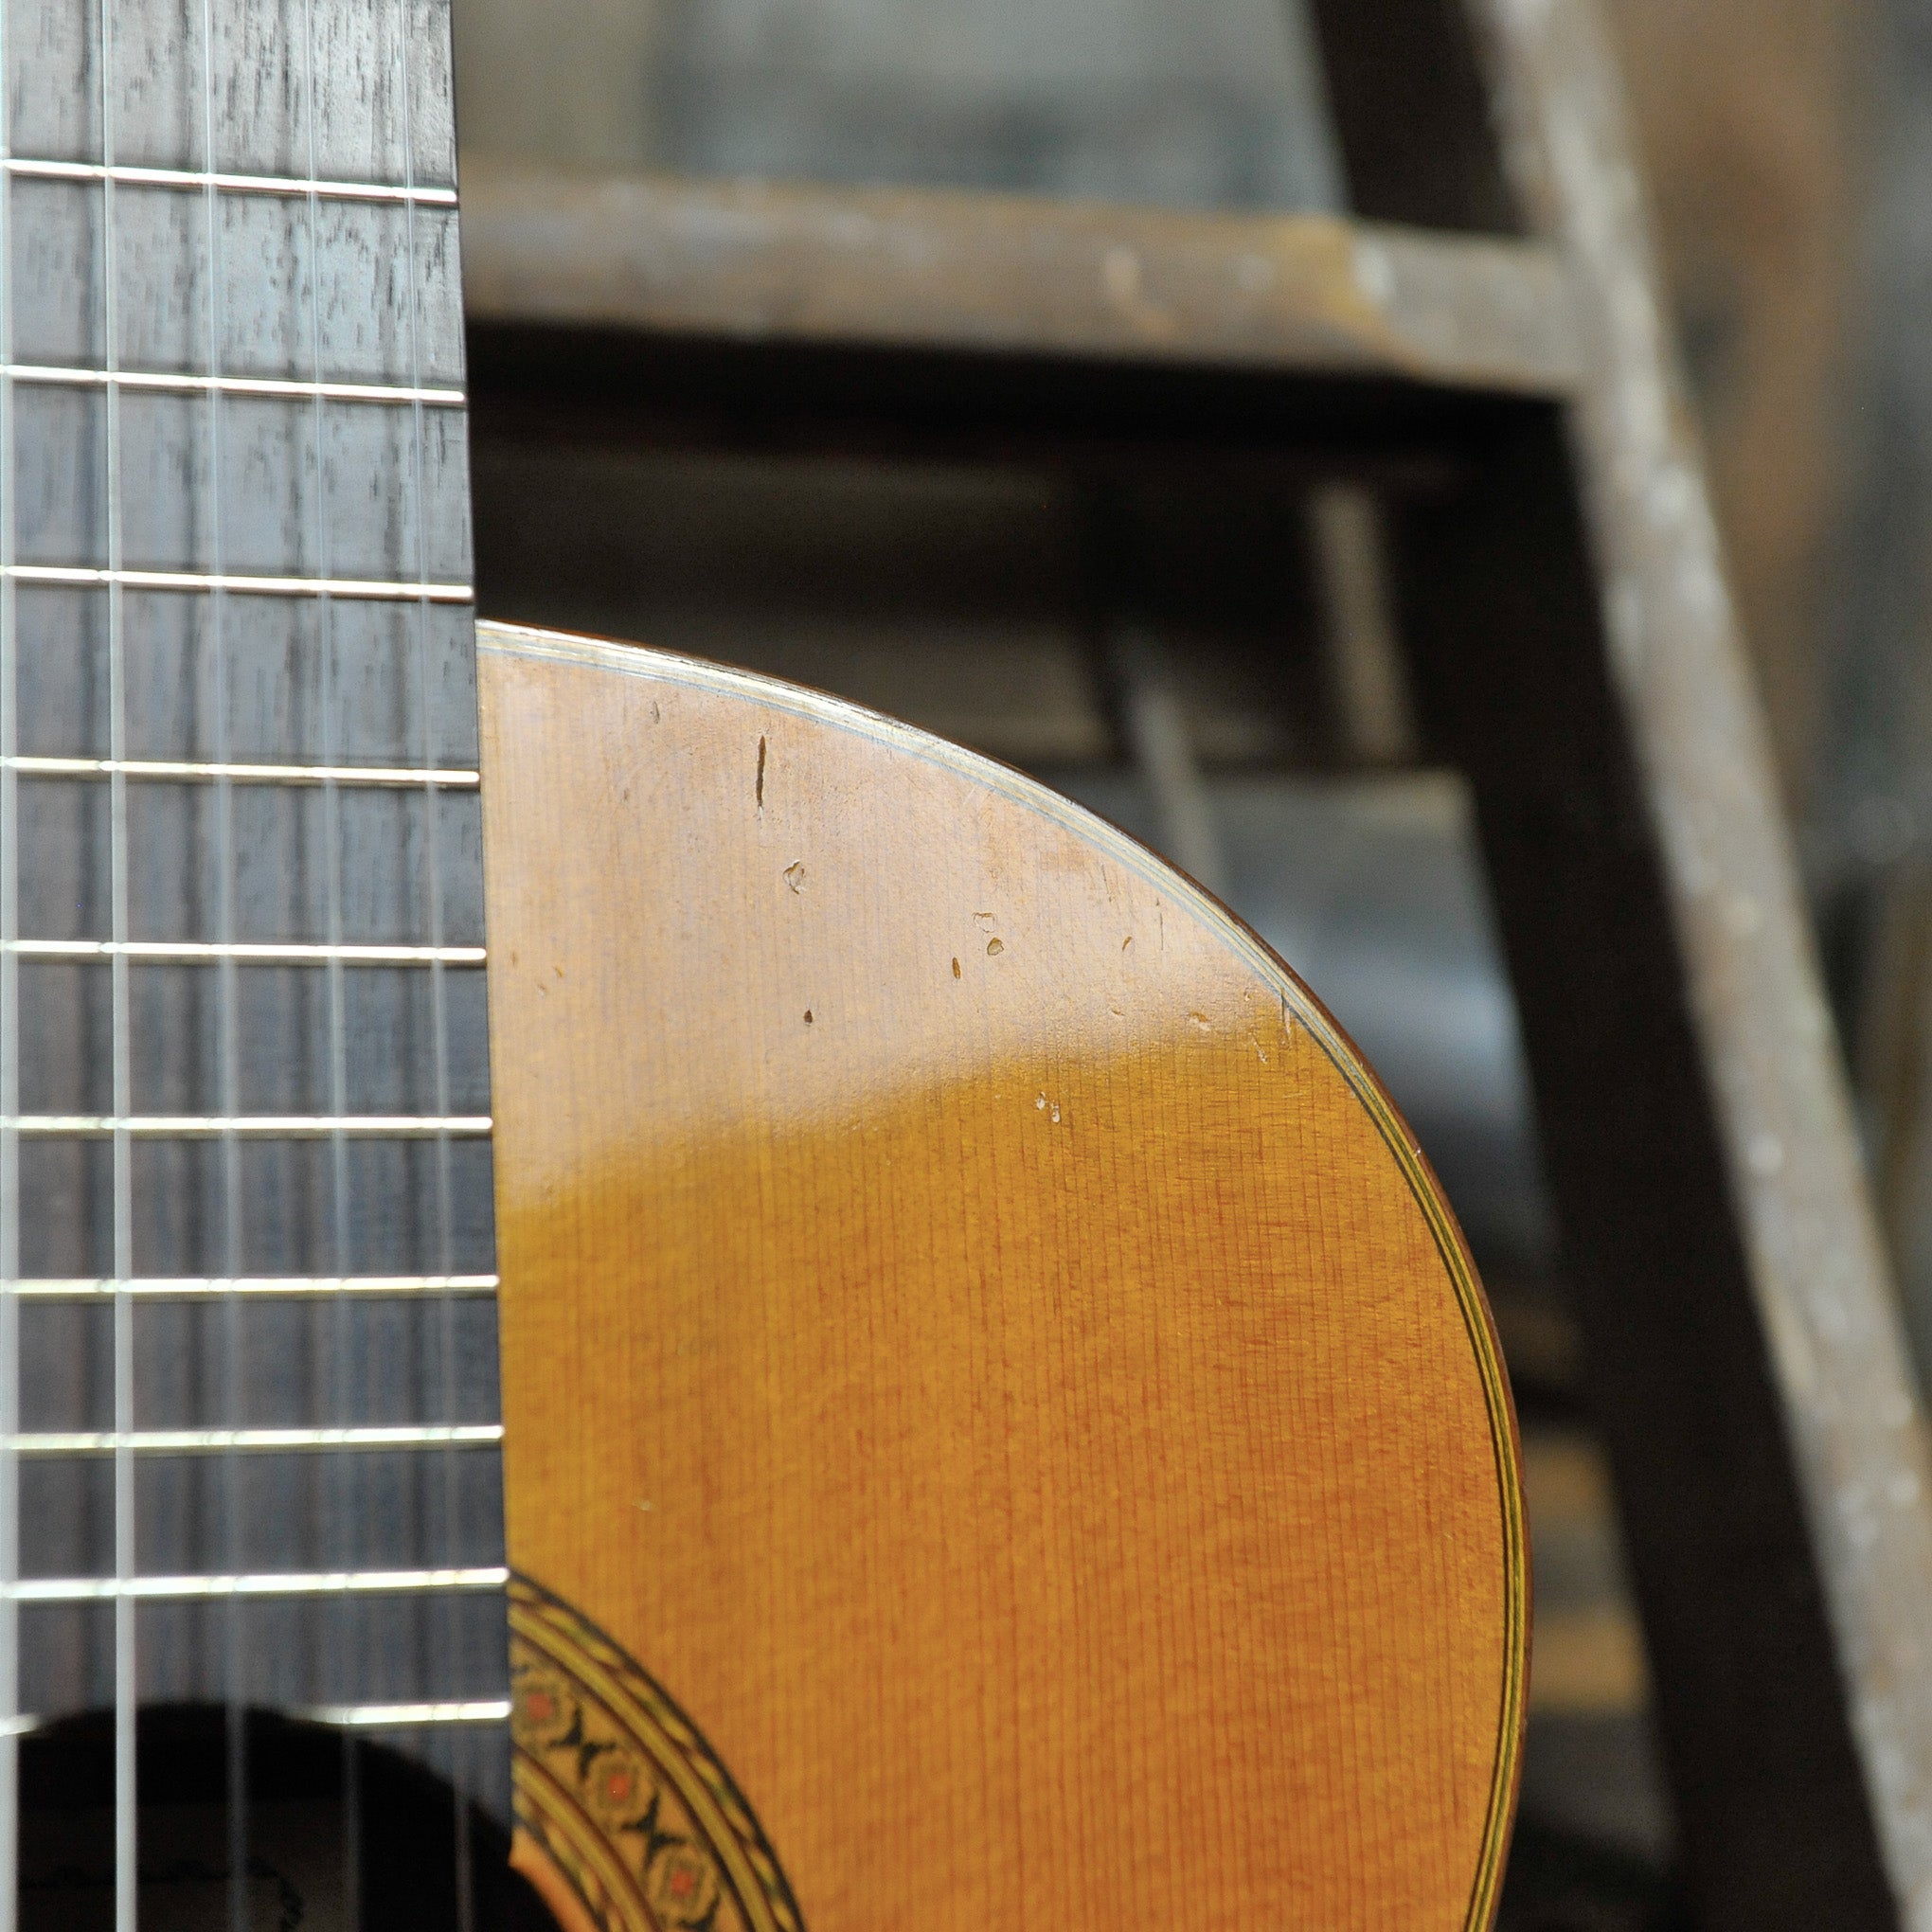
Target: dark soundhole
(340, 1834)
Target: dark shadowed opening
(337, 1831)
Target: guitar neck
(247, 1345)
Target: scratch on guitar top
(758, 793)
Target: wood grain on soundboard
(976, 1335)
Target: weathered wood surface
(976, 1335)
(1764, 154)
(937, 270)
(1740, 1334)
(1824, 1299)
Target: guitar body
(1001, 1428)
(997, 1425)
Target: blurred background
(1207, 658)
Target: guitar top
(1001, 1426)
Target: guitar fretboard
(247, 1345)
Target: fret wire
(11, 1722)
(408, 1716)
(207, 1441)
(378, 590)
(124, 1127)
(172, 769)
(181, 1589)
(354, 1716)
(198, 1287)
(183, 383)
(245, 952)
(292, 186)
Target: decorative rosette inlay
(619, 1794)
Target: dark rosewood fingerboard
(247, 1348)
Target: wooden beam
(925, 270)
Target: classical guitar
(875, 1361)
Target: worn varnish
(976, 1337)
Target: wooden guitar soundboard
(1002, 1429)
